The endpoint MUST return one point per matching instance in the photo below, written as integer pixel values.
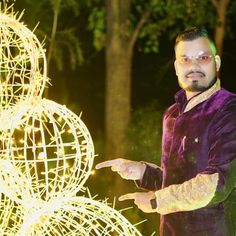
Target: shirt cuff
(191, 195)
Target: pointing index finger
(128, 196)
(106, 164)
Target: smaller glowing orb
(51, 147)
(11, 217)
(80, 216)
(22, 62)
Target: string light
(46, 152)
(22, 60)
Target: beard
(196, 86)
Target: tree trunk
(56, 10)
(118, 77)
(221, 9)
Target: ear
(176, 67)
(218, 62)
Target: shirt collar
(182, 102)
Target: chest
(186, 144)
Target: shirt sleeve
(190, 195)
(222, 153)
(152, 178)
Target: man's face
(195, 65)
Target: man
(198, 170)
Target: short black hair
(193, 33)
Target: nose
(194, 63)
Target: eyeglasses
(200, 59)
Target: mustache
(194, 72)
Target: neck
(203, 96)
(189, 95)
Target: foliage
(144, 134)
(166, 16)
(66, 45)
(96, 24)
(67, 41)
(229, 205)
(170, 16)
(230, 19)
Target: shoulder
(225, 116)
(222, 100)
(225, 96)
(171, 111)
(228, 101)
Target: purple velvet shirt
(201, 140)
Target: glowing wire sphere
(46, 151)
(52, 148)
(10, 216)
(13, 183)
(80, 216)
(22, 63)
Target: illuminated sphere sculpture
(80, 216)
(44, 163)
(46, 151)
(52, 147)
(22, 63)
(8, 215)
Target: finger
(127, 196)
(107, 164)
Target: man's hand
(127, 169)
(141, 199)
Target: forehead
(193, 47)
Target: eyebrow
(200, 53)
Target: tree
(59, 35)
(49, 16)
(119, 48)
(221, 9)
(126, 23)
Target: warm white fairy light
(10, 215)
(50, 207)
(78, 216)
(22, 62)
(46, 151)
(50, 150)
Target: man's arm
(127, 169)
(190, 195)
(146, 175)
(152, 178)
(222, 153)
(215, 183)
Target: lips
(195, 75)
